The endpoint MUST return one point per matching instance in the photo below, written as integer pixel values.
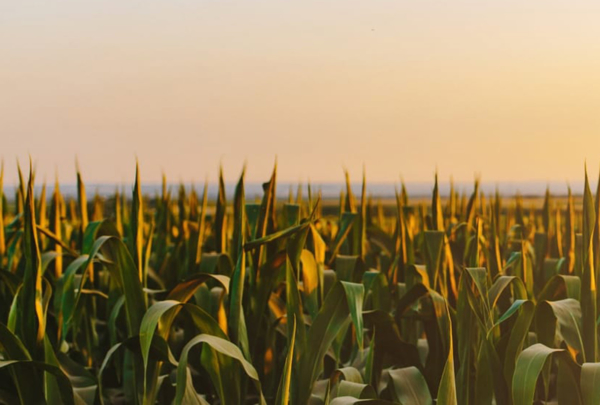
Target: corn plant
(180, 298)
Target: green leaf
(125, 274)
(588, 279)
(517, 336)
(220, 225)
(434, 243)
(137, 226)
(31, 321)
(408, 386)
(353, 400)
(283, 392)
(354, 296)
(11, 346)
(355, 390)
(346, 222)
(149, 323)
(186, 289)
(333, 317)
(276, 236)
(527, 370)
(447, 387)
(222, 346)
(566, 315)
(107, 357)
(559, 287)
(63, 384)
(590, 383)
(311, 281)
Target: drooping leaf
(409, 386)
(222, 346)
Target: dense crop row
(173, 298)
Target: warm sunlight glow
(507, 89)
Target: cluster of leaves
(177, 300)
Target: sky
(507, 89)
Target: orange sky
(510, 89)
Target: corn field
(175, 299)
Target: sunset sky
(509, 89)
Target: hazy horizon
(508, 90)
(328, 190)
